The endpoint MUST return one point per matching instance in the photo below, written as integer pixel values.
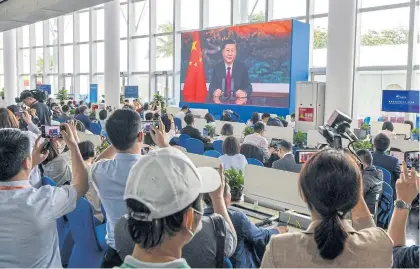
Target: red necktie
(228, 82)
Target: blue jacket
(251, 241)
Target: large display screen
(242, 65)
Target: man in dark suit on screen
(233, 74)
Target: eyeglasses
(197, 212)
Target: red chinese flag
(195, 89)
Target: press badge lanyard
(10, 188)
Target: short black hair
(255, 117)
(148, 116)
(65, 108)
(69, 103)
(284, 122)
(123, 128)
(228, 42)
(293, 115)
(166, 122)
(184, 107)
(80, 126)
(388, 126)
(189, 119)
(227, 129)
(209, 117)
(231, 146)
(146, 106)
(365, 156)
(82, 109)
(381, 142)
(25, 94)
(284, 145)
(409, 122)
(87, 150)
(103, 114)
(259, 127)
(14, 149)
(265, 115)
(150, 234)
(81, 102)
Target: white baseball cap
(166, 182)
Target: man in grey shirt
(199, 253)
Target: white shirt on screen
(237, 162)
(231, 68)
(180, 115)
(28, 234)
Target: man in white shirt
(181, 114)
(28, 234)
(258, 139)
(110, 172)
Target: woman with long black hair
(331, 185)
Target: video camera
(337, 127)
(36, 94)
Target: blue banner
(93, 93)
(44, 88)
(400, 101)
(131, 92)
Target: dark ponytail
(330, 237)
(330, 183)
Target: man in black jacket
(194, 132)
(43, 112)
(390, 163)
(234, 74)
(372, 180)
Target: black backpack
(220, 232)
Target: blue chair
(380, 119)
(65, 241)
(89, 241)
(183, 139)
(255, 162)
(386, 206)
(195, 146)
(227, 263)
(367, 120)
(95, 128)
(212, 153)
(178, 123)
(218, 146)
(386, 173)
(48, 181)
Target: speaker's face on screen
(229, 53)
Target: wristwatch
(400, 204)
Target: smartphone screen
(412, 159)
(50, 131)
(147, 125)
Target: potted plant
(211, 130)
(62, 95)
(362, 132)
(248, 130)
(415, 134)
(362, 144)
(158, 99)
(92, 115)
(299, 139)
(235, 179)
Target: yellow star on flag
(195, 64)
(193, 46)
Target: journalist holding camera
(35, 100)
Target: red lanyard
(9, 188)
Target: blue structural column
(340, 56)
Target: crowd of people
(154, 200)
